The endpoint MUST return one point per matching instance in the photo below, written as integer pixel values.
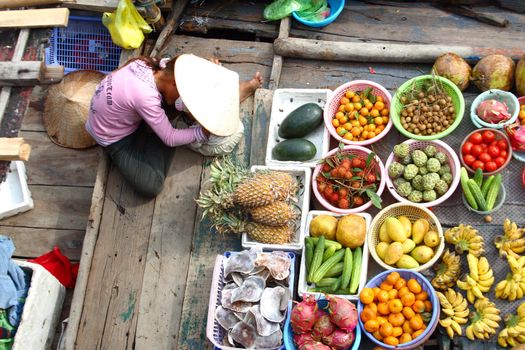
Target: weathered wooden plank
(41, 18)
(102, 5)
(88, 248)
(32, 242)
(56, 207)
(33, 118)
(207, 24)
(170, 26)
(21, 73)
(109, 313)
(23, 3)
(206, 245)
(277, 65)
(262, 108)
(14, 148)
(168, 254)
(51, 164)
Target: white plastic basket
(214, 331)
(302, 285)
(15, 196)
(41, 309)
(284, 102)
(303, 176)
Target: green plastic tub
(450, 88)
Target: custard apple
(404, 189)
(417, 182)
(444, 169)
(442, 157)
(429, 196)
(397, 182)
(441, 187)
(430, 150)
(419, 158)
(423, 170)
(415, 196)
(405, 161)
(433, 165)
(447, 177)
(429, 182)
(410, 172)
(402, 150)
(395, 170)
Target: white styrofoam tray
(303, 285)
(15, 196)
(303, 176)
(41, 309)
(284, 102)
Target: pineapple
(274, 214)
(264, 188)
(270, 234)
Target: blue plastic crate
(84, 44)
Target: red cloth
(59, 266)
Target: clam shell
(250, 290)
(244, 334)
(278, 263)
(239, 306)
(226, 318)
(264, 327)
(272, 341)
(241, 262)
(273, 303)
(237, 278)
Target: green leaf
(371, 156)
(372, 98)
(356, 178)
(330, 163)
(356, 170)
(341, 146)
(367, 92)
(376, 200)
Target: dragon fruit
(492, 111)
(322, 327)
(314, 345)
(342, 313)
(339, 340)
(303, 315)
(302, 338)
(516, 134)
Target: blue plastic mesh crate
(84, 44)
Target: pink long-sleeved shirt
(126, 97)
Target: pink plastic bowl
(357, 150)
(331, 106)
(453, 162)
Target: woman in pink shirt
(129, 100)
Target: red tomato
(476, 138)
(358, 201)
(334, 197)
(484, 146)
(467, 147)
(491, 166)
(356, 162)
(499, 161)
(485, 157)
(493, 151)
(328, 191)
(503, 153)
(494, 143)
(488, 136)
(326, 168)
(502, 144)
(469, 159)
(478, 164)
(476, 150)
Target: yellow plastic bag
(126, 25)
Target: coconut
(454, 68)
(494, 72)
(520, 77)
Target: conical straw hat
(67, 107)
(210, 92)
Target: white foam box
(303, 285)
(15, 196)
(284, 102)
(303, 176)
(41, 309)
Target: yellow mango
(381, 248)
(422, 254)
(393, 253)
(407, 224)
(431, 239)
(395, 230)
(407, 262)
(419, 229)
(408, 245)
(383, 235)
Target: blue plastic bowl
(288, 332)
(427, 287)
(336, 6)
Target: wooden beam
(171, 24)
(5, 4)
(277, 65)
(14, 148)
(27, 73)
(103, 5)
(381, 52)
(41, 18)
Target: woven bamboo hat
(210, 92)
(67, 107)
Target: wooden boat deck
(147, 264)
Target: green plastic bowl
(450, 88)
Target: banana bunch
(447, 271)
(514, 332)
(455, 307)
(483, 321)
(479, 280)
(513, 287)
(512, 242)
(465, 239)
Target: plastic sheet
(126, 25)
